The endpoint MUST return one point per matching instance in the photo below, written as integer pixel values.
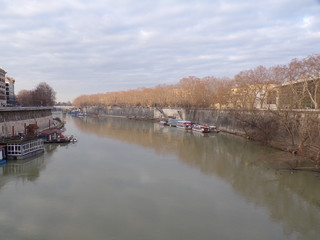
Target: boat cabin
(55, 136)
(23, 148)
(172, 122)
(51, 134)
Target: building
(10, 97)
(253, 96)
(299, 94)
(266, 97)
(3, 100)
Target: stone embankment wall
(283, 129)
(14, 120)
(221, 118)
(208, 116)
(130, 112)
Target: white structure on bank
(3, 99)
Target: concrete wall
(178, 113)
(208, 116)
(14, 120)
(135, 112)
(223, 119)
(227, 120)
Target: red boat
(200, 128)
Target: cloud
(81, 47)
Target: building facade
(3, 99)
(300, 94)
(10, 97)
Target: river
(136, 180)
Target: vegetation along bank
(277, 106)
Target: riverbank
(296, 131)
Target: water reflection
(291, 198)
(26, 169)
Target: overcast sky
(84, 47)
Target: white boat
(214, 129)
(172, 122)
(186, 125)
(201, 128)
(164, 122)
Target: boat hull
(184, 127)
(2, 162)
(201, 128)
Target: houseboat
(200, 128)
(55, 136)
(164, 122)
(24, 148)
(186, 125)
(2, 154)
(214, 129)
(172, 122)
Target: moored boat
(55, 136)
(186, 125)
(2, 154)
(214, 129)
(201, 128)
(164, 122)
(172, 122)
(24, 148)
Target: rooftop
(2, 70)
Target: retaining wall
(136, 112)
(14, 120)
(233, 121)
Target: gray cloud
(82, 47)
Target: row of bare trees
(295, 85)
(279, 89)
(42, 95)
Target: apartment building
(3, 99)
(10, 97)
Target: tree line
(296, 82)
(41, 95)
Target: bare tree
(301, 87)
(24, 98)
(42, 95)
(249, 89)
(258, 125)
(311, 78)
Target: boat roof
(51, 131)
(18, 140)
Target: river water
(135, 180)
